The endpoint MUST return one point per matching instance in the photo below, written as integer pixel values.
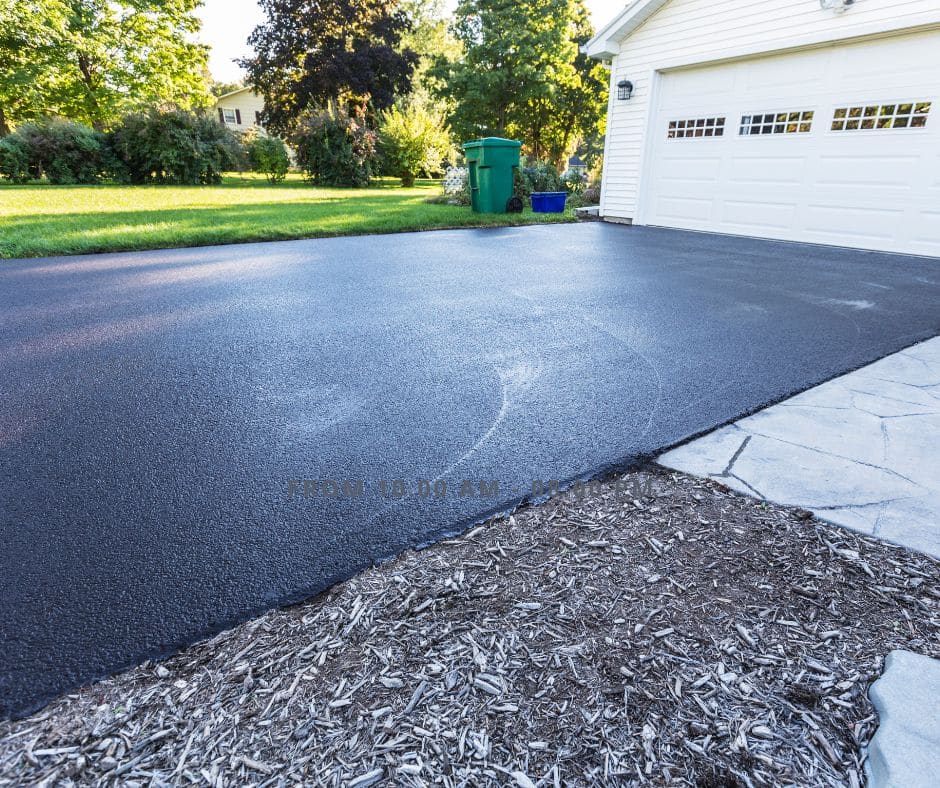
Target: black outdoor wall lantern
(624, 89)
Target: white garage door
(839, 145)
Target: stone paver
(861, 451)
(905, 751)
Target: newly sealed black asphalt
(161, 411)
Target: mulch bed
(657, 630)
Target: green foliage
(94, 60)
(14, 159)
(430, 37)
(62, 151)
(335, 55)
(335, 151)
(28, 36)
(575, 183)
(538, 176)
(523, 75)
(222, 88)
(267, 155)
(414, 140)
(174, 147)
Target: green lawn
(45, 220)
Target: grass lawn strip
(691, 637)
(45, 220)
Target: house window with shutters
(228, 116)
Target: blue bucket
(549, 202)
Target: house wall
(247, 102)
(690, 32)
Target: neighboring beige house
(240, 110)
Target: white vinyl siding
(688, 32)
(247, 103)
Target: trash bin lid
(492, 142)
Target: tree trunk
(91, 102)
(4, 126)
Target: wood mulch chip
(673, 633)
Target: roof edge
(606, 43)
(233, 93)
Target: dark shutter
(257, 118)
(221, 116)
(238, 117)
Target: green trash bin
(490, 166)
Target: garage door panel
(932, 175)
(873, 188)
(765, 77)
(686, 209)
(885, 172)
(767, 170)
(839, 221)
(690, 169)
(926, 237)
(751, 216)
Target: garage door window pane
(695, 127)
(794, 122)
(906, 115)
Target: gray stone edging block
(905, 750)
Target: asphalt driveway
(168, 420)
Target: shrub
(62, 151)
(174, 147)
(267, 155)
(575, 183)
(539, 176)
(335, 151)
(592, 195)
(15, 160)
(414, 140)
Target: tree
(96, 60)
(523, 74)
(29, 32)
(332, 55)
(414, 139)
(430, 36)
(553, 121)
(221, 88)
